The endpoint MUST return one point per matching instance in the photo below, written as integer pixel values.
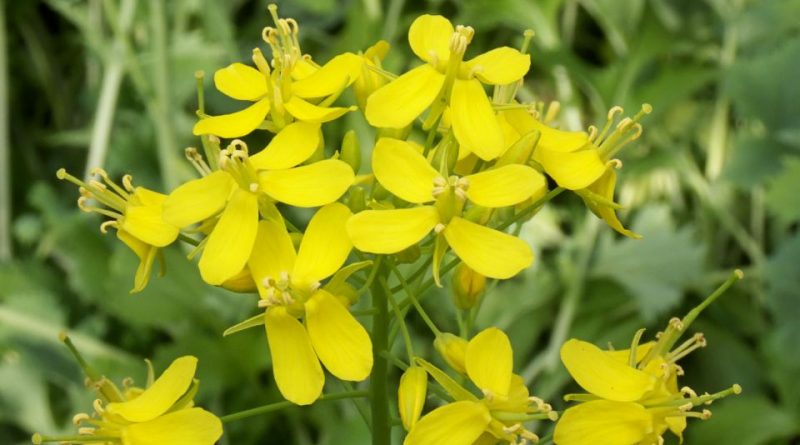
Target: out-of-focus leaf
(654, 270)
(753, 160)
(619, 19)
(743, 420)
(783, 192)
(766, 88)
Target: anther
(264, 303)
(127, 182)
(315, 285)
(592, 132)
(108, 224)
(511, 429)
(487, 393)
(438, 228)
(61, 173)
(552, 111)
(614, 111)
(529, 435)
(86, 431)
(98, 406)
(676, 323)
(253, 187)
(80, 417)
(474, 70)
(127, 382)
(706, 414)
(688, 392)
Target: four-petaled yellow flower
(297, 89)
(446, 80)
(245, 185)
(634, 397)
(136, 213)
(407, 174)
(584, 162)
(289, 285)
(497, 416)
(163, 413)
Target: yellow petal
(398, 103)
(230, 243)
(602, 375)
(341, 343)
(290, 147)
(331, 78)
(500, 66)
(429, 37)
(604, 187)
(304, 111)
(487, 251)
(145, 220)
(198, 199)
(490, 361)
(161, 395)
(241, 82)
(551, 138)
(311, 185)
(235, 124)
(504, 186)
(411, 395)
(390, 231)
(403, 170)
(272, 254)
(474, 122)
(324, 247)
(459, 423)
(624, 355)
(603, 422)
(147, 255)
(517, 400)
(295, 365)
(193, 426)
(572, 170)
(303, 68)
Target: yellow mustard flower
(297, 89)
(162, 413)
(583, 162)
(407, 174)
(498, 415)
(633, 394)
(246, 184)
(136, 215)
(289, 286)
(446, 80)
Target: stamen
(80, 417)
(686, 391)
(474, 70)
(552, 111)
(98, 407)
(487, 393)
(511, 429)
(86, 431)
(127, 182)
(104, 226)
(97, 171)
(592, 133)
(253, 187)
(529, 435)
(438, 228)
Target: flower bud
(351, 150)
(453, 349)
(468, 286)
(358, 200)
(411, 395)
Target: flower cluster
(453, 169)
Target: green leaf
(743, 420)
(255, 320)
(783, 192)
(657, 268)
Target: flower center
(450, 195)
(279, 291)
(235, 160)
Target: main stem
(379, 393)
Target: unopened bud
(411, 395)
(357, 200)
(468, 286)
(351, 150)
(453, 350)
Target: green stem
(430, 282)
(286, 404)
(414, 300)
(379, 387)
(400, 321)
(5, 145)
(531, 208)
(161, 113)
(109, 91)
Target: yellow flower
(289, 285)
(245, 185)
(634, 397)
(583, 162)
(405, 173)
(163, 413)
(497, 416)
(447, 80)
(297, 89)
(136, 215)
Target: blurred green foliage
(713, 184)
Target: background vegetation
(713, 184)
